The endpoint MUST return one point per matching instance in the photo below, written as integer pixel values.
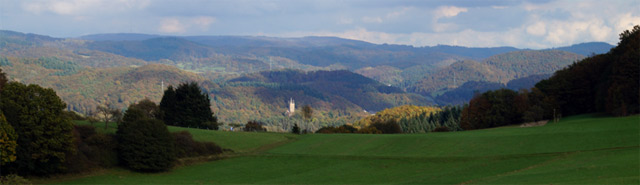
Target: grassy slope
(239, 142)
(579, 150)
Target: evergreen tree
(44, 133)
(3, 79)
(168, 106)
(187, 106)
(295, 129)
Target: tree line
(39, 138)
(607, 83)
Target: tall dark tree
(295, 129)
(168, 106)
(623, 90)
(307, 112)
(44, 133)
(3, 79)
(187, 106)
(144, 144)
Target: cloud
(372, 19)
(184, 24)
(83, 7)
(203, 21)
(448, 11)
(443, 12)
(626, 21)
(537, 29)
(172, 25)
(389, 16)
(499, 7)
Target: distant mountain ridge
(264, 72)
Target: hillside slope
(337, 97)
(577, 150)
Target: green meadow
(585, 149)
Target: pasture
(583, 149)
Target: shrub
(254, 126)
(93, 150)
(187, 147)
(388, 127)
(369, 130)
(340, 129)
(14, 179)
(442, 129)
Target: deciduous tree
(44, 134)
(144, 144)
(8, 141)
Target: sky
(472, 23)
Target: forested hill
(251, 78)
(342, 96)
(495, 69)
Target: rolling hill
(338, 97)
(584, 149)
(124, 68)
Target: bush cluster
(187, 147)
(254, 126)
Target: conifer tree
(187, 106)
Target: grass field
(578, 150)
(239, 142)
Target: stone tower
(292, 107)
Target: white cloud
(184, 24)
(172, 25)
(470, 38)
(499, 7)
(442, 12)
(449, 11)
(389, 16)
(626, 21)
(83, 7)
(537, 29)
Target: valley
(120, 69)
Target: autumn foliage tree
(8, 142)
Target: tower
(292, 107)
